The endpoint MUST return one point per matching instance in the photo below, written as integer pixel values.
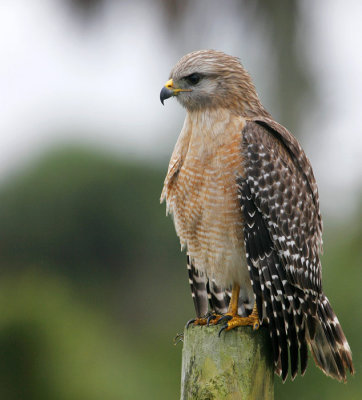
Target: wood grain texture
(236, 366)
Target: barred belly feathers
(245, 206)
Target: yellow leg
(231, 318)
(234, 301)
(213, 319)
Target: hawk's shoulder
(283, 188)
(294, 149)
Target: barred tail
(329, 346)
(206, 293)
(218, 298)
(199, 293)
(208, 296)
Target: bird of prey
(245, 206)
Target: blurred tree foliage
(94, 287)
(94, 219)
(54, 347)
(86, 8)
(293, 78)
(83, 210)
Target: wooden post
(236, 365)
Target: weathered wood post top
(235, 366)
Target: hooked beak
(169, 90)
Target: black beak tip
(165, 94)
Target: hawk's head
(210, 79)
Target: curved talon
(210, 318)
(189, 322)
(256, 326)
(224, 318)
(222, 329)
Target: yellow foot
(233, 321)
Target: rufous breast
(201, 192)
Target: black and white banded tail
(207, 296)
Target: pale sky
(62, 81)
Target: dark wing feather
(283, 239)
(283, 184)
(263, 263)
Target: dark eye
(193, 79)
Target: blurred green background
(93, 287)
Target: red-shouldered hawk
(245, 206)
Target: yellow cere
(169, 84)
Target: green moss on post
(238, 365)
